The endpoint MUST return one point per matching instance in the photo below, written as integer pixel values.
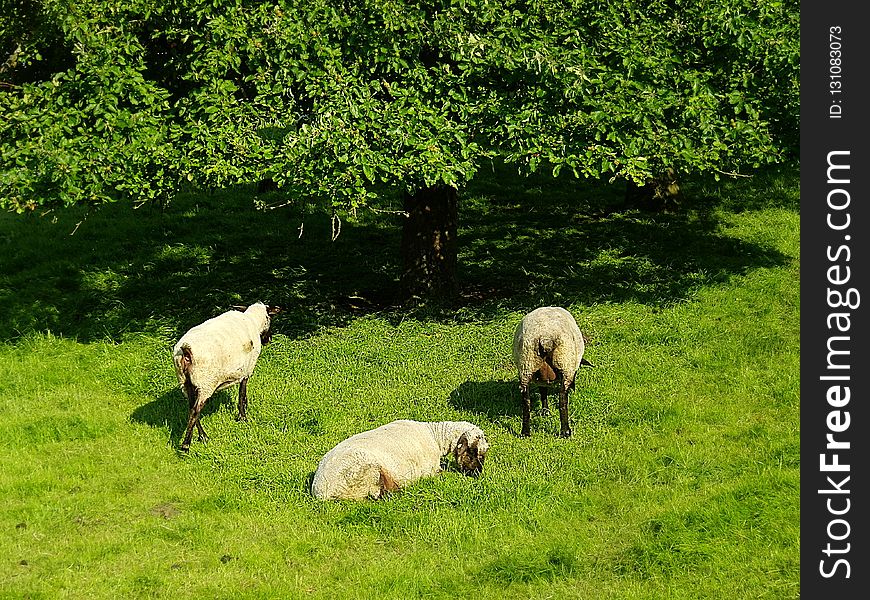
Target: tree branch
(730, 174)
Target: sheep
(217, 354)
(383, 460)
(548, 347)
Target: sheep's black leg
(563, 409)
(192, 393)
(193, 420)
(545, 406)
(527, 409)
(188, 433)
(243, 400)
(202, 435)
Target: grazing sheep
(217, 354)
(375, 462)
(548, 348)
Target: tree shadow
(170, 411)
(524, 242)
(552, 241)
(127, 270)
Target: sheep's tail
(186, 365)
(546, 346)
(545, 349)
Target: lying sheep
(548, 347)
(375, 462)
(217, 354)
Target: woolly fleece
(224, 349)
(405, 450)
(553, 329)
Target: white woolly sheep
(548, 348)
(219, 353)
(388, 458)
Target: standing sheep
(548, 347)
(217, 354)
(386, 459)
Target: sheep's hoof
(241, 418)
(525, 433)
(566, 433)
(545, 412)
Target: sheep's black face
(470, 454)
(266, 334)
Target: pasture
(681, 480)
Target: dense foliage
(336, 100)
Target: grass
(681, 480)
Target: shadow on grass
(127, 271)
(549, 565)
(499, 403)
(552, 241)
(496, 401)
(307, 480)
(493, 399)
(523, 243)
(170, 410)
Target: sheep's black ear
(273, 310)
(583, 361)
(237, 307)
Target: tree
(344, 102)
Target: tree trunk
(659, 194)
(266, 185)
(429, 243)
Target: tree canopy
(338, 100)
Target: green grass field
(681, 480)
